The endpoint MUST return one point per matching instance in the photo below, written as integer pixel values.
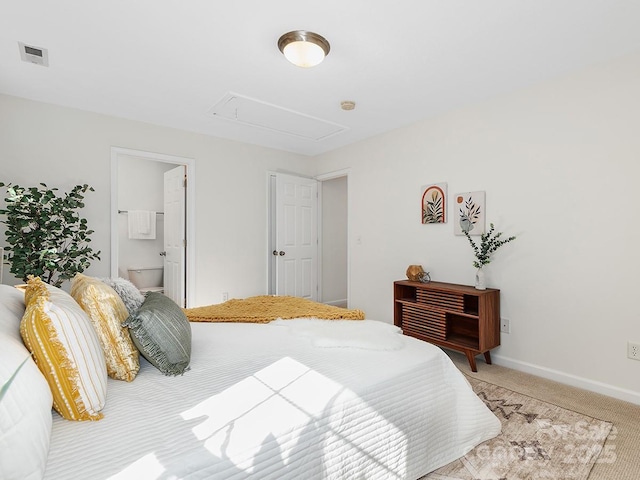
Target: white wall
(334, 241)
(560, 166)
(61, 147)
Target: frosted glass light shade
(304, 54)
(304, 49)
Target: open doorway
(333, 270)
(334, 251)
(140, 245)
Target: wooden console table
(457, 317)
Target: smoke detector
(32, 54)
(347, 105)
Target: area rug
(538, 441)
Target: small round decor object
(425, 278)
(347, 105)
(415, 272)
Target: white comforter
(272, 402)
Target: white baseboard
(337, 303)
(568, 379)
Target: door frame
(190, 166)
(271, 231)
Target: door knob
(281, 253)
(163, 254)
(275, 252)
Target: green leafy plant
(46, 235)
(489, 243)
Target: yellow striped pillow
(107, 313)
(66, 349)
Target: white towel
(142, 224)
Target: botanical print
(434, 203)
(470, 213)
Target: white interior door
(175, 234)
(296, 236)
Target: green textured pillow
(162, 333)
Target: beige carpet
(620, 459)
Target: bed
(290, 399)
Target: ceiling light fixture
(304, 49)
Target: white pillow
(11, 310)
(25, 408)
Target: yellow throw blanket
(265, 308)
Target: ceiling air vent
(32, 54)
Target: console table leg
(472, 360)
(487, 357)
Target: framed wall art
(470, 213)
(434, 203)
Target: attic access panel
(255, 113)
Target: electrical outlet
(505, 325)
(633, 350)
(225, 296)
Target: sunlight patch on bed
(242, 423)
